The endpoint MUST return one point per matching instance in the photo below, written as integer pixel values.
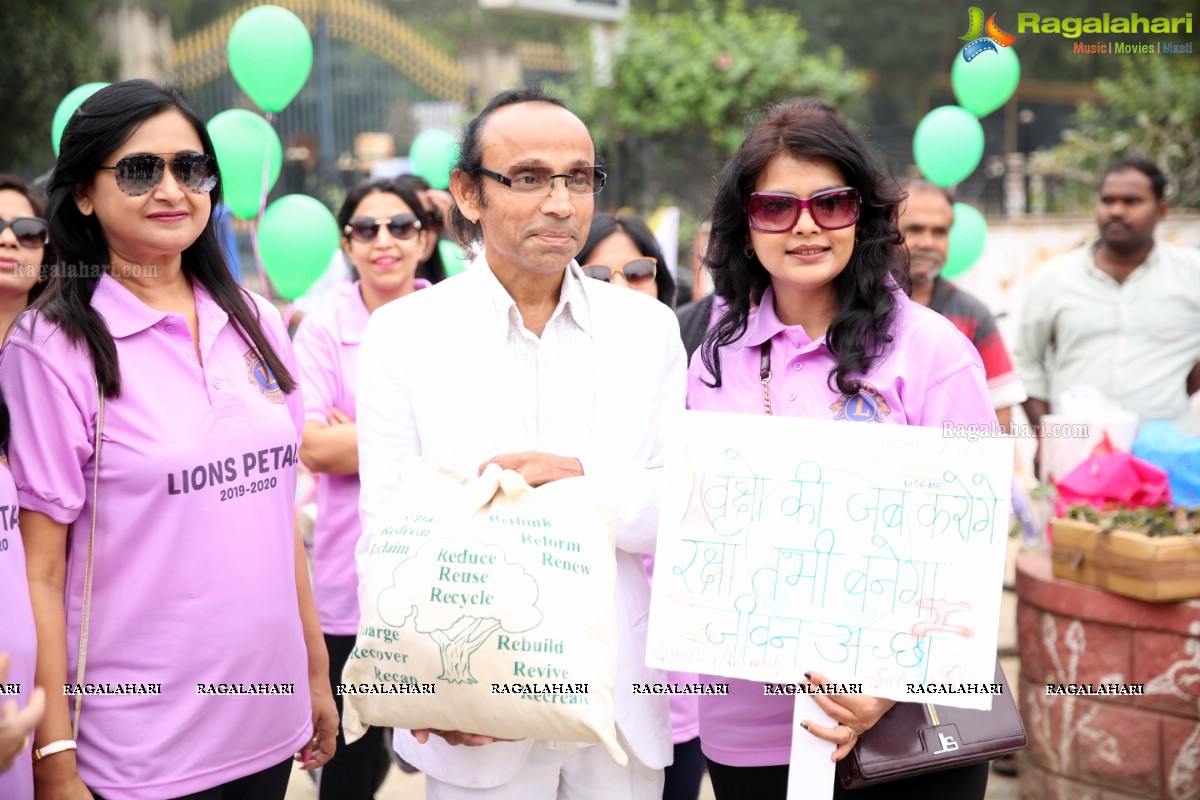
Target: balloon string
(262, 207)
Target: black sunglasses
(30, 231)
(832, 210)
(366, 229)
(139, 173)
(637, 272)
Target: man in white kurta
(524, 362)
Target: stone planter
(1113, 746)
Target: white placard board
(873, 554)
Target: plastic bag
(1164, 445)
(1114, 479)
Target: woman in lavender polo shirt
(21, 705)
(807, 256)
(205, 669)
(383, 234)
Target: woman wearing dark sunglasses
(24, 254)
(198, 598)
(384, 238)
(621, 249)
(808, 259)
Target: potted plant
(1149, 553)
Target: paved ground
(400, 786)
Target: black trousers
(351, 773)
(268, 784)
(682, 778)
(770, 783)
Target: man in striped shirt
(925, 220)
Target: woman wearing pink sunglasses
(807, 256)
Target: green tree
(1151, 109)
(908, 46)
(50, 47)
(681, 87)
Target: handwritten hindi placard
(873, 554)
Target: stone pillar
(491, 69)
(1014, 184)
(140, 39)
(1106, 747)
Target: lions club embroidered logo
(866, 406)
(260, 375)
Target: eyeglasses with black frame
(366, 229)
(831, 210)
(530, 180)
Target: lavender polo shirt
(194, 583)
(928, 374)
(17, 635)
(327, 351)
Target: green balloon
(968, 235)
(452, 257)
(270, 56)
(986, 82)
(948, 145)
(432, 156)
(66, 109)
(244, 143)
(296, 240)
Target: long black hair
(431, 269)
(810, 129)
(99, 127)
(4, 424)
(605, 225)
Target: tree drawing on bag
(459, 595)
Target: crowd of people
(157, 414)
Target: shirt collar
(352, 313)
(123, 312)
(572, 299)
(942, 289)
(762, 323)
(1089, 259)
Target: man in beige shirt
(1121, 313)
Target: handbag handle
(764, 374)
(81, 660)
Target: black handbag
(917, 738)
